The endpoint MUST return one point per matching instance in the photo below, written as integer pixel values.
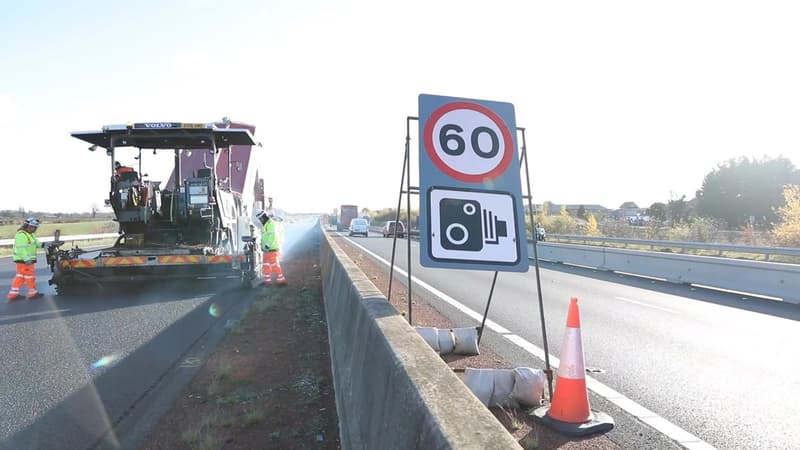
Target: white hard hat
(32, 221)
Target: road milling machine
(199, 224)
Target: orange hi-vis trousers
(26, 274)
(272, 266)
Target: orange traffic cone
(569, 411)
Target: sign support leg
(486, 312)
(397, 218)
(548, 371)
(405, 181)
(408, 211)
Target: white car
(359, 226)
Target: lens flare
(105, 361)
(213, 310)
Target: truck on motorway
(346, 214)
(198, 224)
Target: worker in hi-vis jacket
(271, 240)
(25, 247)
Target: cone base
(599, 422)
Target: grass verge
(268, 384)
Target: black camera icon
(464, 225)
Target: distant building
(630, 212)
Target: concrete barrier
(756, 277)
(392, 390)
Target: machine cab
(195, 208)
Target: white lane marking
(730, 291)
(34, 314)
(660, 424)
(489, 323)
(647, 305)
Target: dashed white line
(671, 311)
(662, 425)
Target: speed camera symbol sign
(470, 226)
(468, 142)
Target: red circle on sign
(461, 176)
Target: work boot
(36, 295)
(12, 297)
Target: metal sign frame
(408, 190)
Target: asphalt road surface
(95, 370)
(720, 366)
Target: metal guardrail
(653, 244)
(764, 278)
(74, 237)
(757, 277)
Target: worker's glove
(46, 245)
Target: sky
(621, 100)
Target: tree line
(740, 195)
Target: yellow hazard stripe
(179, 259)
(217, 259)
(78, 263)
(141, 260)
(124, 260)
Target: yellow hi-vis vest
(269, 238)
(25, 246)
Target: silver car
(359, 226)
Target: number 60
(445, 139)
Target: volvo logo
(157, 125)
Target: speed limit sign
(471, 215)
(468, 141)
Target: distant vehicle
(393, 227)
(541, 235)
(346, 214)
(359, 226)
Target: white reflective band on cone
(571, 365)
